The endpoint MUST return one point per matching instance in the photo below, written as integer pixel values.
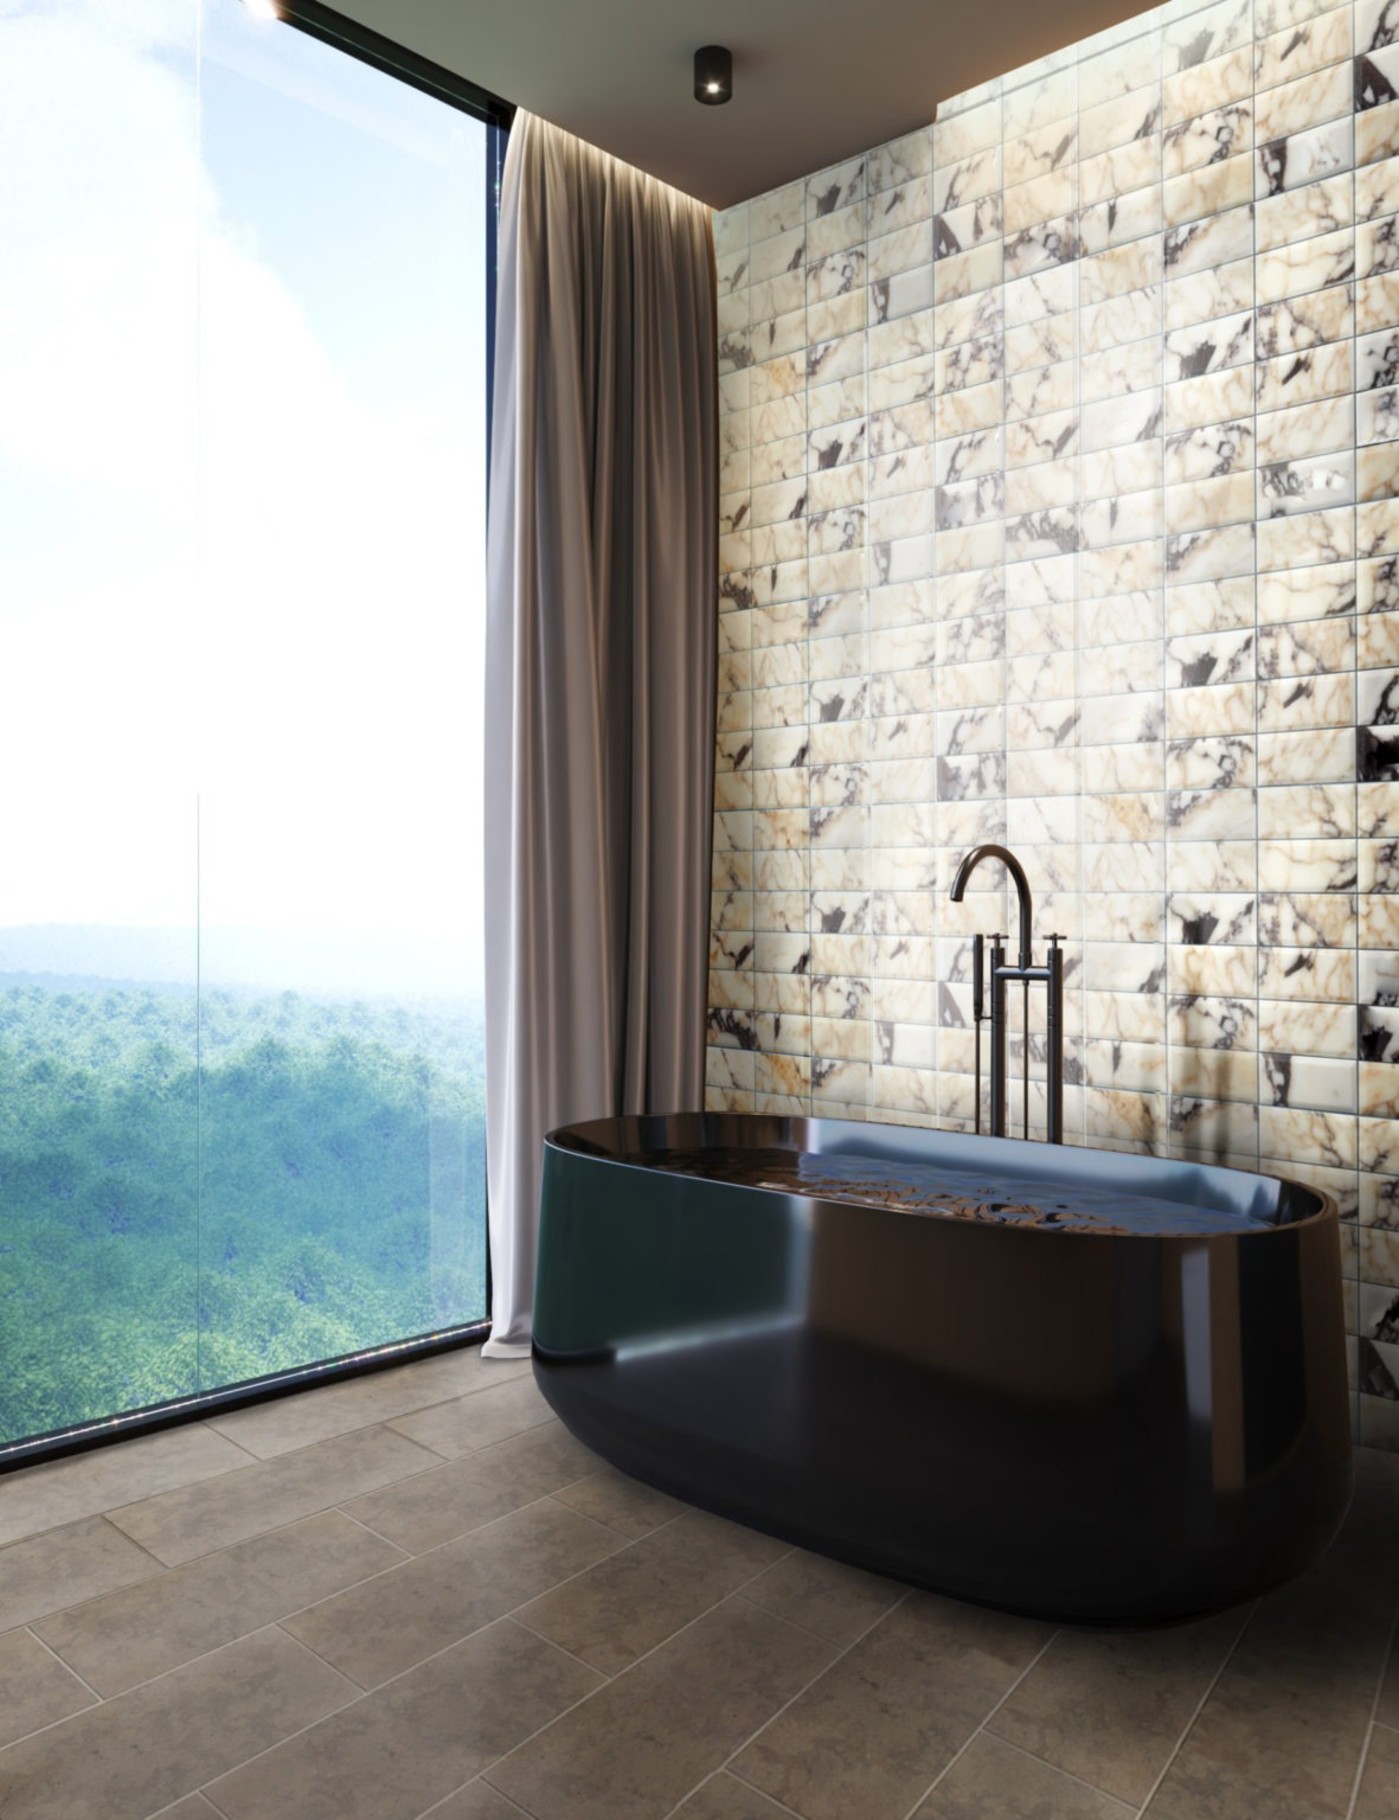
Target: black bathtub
(1083, 1424)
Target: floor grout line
(285, 1617)
(162, 1813)
(984, 1730)
(209, 1428)
(165, 1673)
(1200, 1706)
(986, 1719)
(369, 1530)
(385, 1422)
(733, 1593)
(438, 1806)
(513, 1617)
(213, 1555)
(772, 1718)
(71, 1670)
(450, 1459)
(501, 1618)
(116, 1528)
(399, 1415)
(438, 1461)
(1374, 1712)
(806, 1629)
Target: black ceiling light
(714, 75)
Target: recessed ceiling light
(263, 9)
(714, 75)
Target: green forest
(199, 1190)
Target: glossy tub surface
(1093, 1428)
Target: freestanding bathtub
(1008, 1394)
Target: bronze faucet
(1051, 974)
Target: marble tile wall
(1060, 507)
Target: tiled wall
(1058, 477)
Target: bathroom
(1013, 464)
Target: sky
(242, 460)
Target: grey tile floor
(416, 1595)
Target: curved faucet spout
(1022, 887)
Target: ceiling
(814, 80)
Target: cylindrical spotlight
(714, 75)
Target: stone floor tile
(130, 1636)
(467, 1424)
(724, 1797)
(995, 1781)
(451, 1499)
(193, 1807)
(477, 1801)
(1283, 1731)
(379, 1629)
(144, 1750)
(626, 1505)
(836, 1601)
(1379, 1785)
(395, 1752)
(65, 1566)
(285, 1423)
(36, 1498)
(875, 1730)
(636, 1747)
(1111, 1706)
(35, 1690)
(180, 1525)
(632, 1601)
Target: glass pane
(242, 450)
(98, 268)
(342, 345)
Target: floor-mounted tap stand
(999, 976)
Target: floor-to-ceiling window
(243, 296)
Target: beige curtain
(600, 667)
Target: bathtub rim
(1325, 1207)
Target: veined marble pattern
(1060, 507)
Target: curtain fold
(600, 661)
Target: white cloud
(222, 565)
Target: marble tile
(1181, 419)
